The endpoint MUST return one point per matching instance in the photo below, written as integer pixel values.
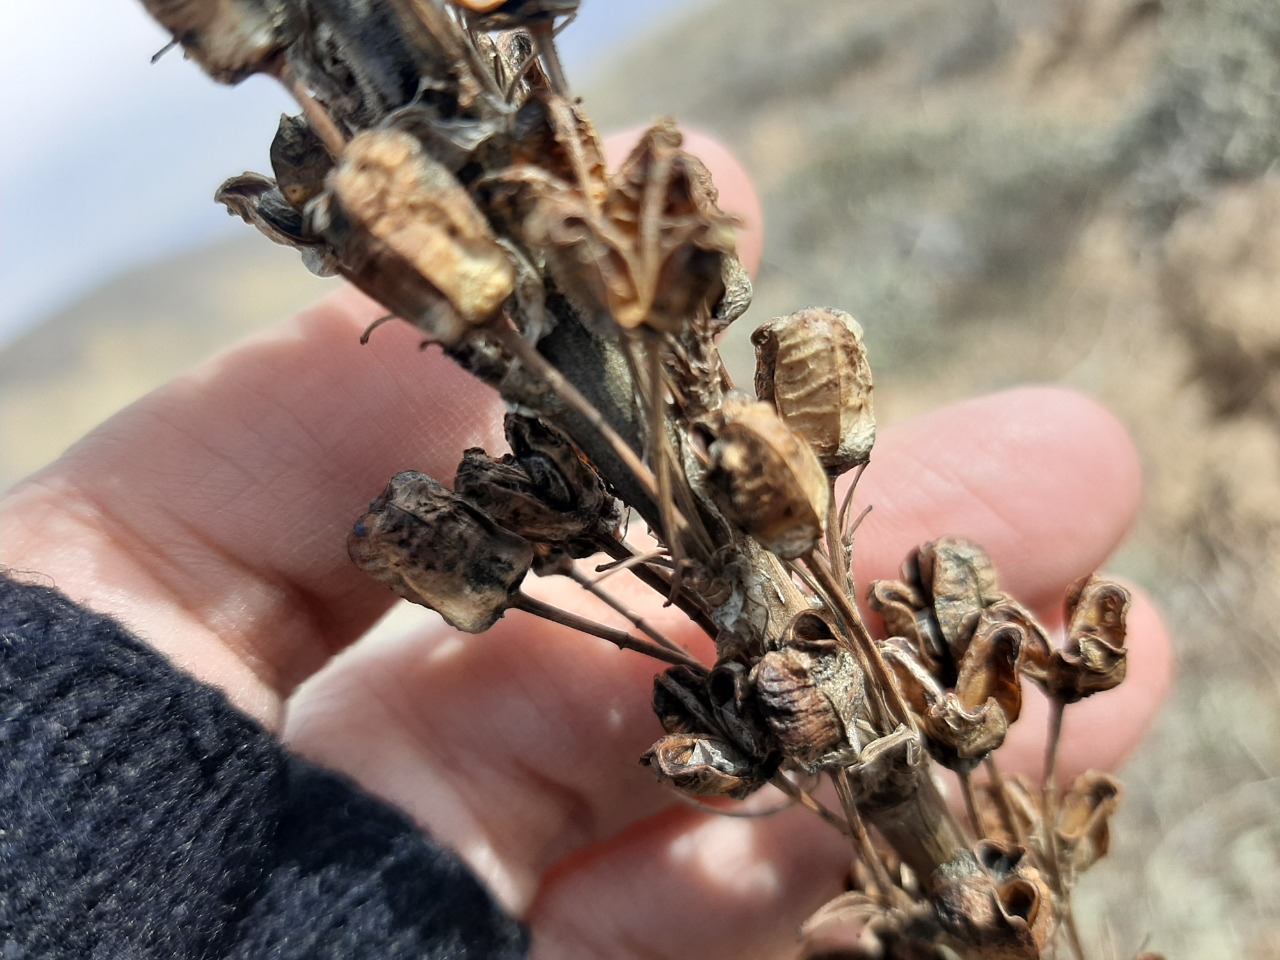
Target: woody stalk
(440, 164)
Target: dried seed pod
(680, 701)
(730, 693)
(651, 254)
(963, 725)
(811, 693)
(544, 491)
(1022, 896)
(300, 161)
(257, 201)
(766, 480)
(1093, 658)
(435, 549)
(230, 39)
(704, 766)
(812, 366)
(410, 236)
(1083, 829)
(960, 581)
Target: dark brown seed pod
(229, 39)
(766, 480)
(300, 161)
(649, 254)
(257, 201)
(435, 549)
(810, 693)
(410, 235)
(704, 766)
(680, 701)
(960, 581)
(812, 366)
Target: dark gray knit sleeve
(141, 816)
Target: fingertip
(1045, 478)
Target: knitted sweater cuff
(142, 816)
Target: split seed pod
(544, 491)
(766, 480)
(435, 549)
(1094, 657)
(812, 366)
(410, 236)
(964, 724)
(650, 253)
(703, 766)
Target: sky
(110, 161)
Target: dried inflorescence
(440, 164)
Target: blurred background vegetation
(1082, 192)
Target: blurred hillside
(1074, 191)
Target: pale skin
(211, 518)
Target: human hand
(211, 518)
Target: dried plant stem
(807, 800)
(640, 566)
(862, 844)
(835, 544)
(620, 638)
(1056, 707)
(971, 804)
(593, 588)
(323, 124)
(845, 503)
(567, 392)
(864, 645)
(1006, 809)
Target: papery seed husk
(810, 692)
(416, 209)
(767, 481)
(703, 766)
(959, 581)
(812, 366)
(1084, 818)
(433, 548)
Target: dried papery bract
(440, 165)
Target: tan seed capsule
(812, 366)
(411, 207)
(766, 480)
